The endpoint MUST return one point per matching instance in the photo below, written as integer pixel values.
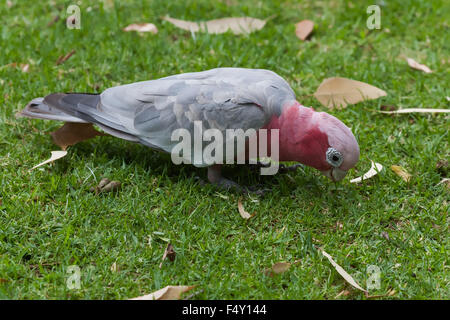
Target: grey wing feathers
(226, 98)
(148, 112)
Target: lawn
(50, 221)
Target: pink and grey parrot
(224, 98)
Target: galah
(224, 98)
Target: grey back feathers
(149, 111)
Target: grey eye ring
(334, 157)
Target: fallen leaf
(339, 92)
(446, 181)
(64, 58)
(236, 25)
(106, 185)
(24, 67)
(141, 27)
(374, 170)
(342, 293)
(71, 133)
(342, 272)
(114, 267)
(112, 186)
(277, 268)
(415, 65)
(244, 214)
(166, 293)
(385, 235)
(55, 156)
(401, 172)
(303, 29)
(418, 110)
(103, 183)
(168, 253)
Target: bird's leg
(215, 177)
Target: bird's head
(319, 140)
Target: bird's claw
(258, 190)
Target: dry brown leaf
(342, 272)
(303, 29)
(391, 293)
(141, 27)
(112, 186)
(166, 293)
(114, 267)
(71, 133)
(339, 92)
(415, 65)
(418, 110)
(55, 156)
(168, 253)
(374, 170)
(401, 172)
(236, 25)
(64, 58)
(342, 293)
(106, 185)
(277, 268)
(244, 214)
(24, 67)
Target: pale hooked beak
(335, 174)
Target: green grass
(49, 220)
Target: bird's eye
(334, 157)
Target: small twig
(63, 58)
(193, 294)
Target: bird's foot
(215, 177)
